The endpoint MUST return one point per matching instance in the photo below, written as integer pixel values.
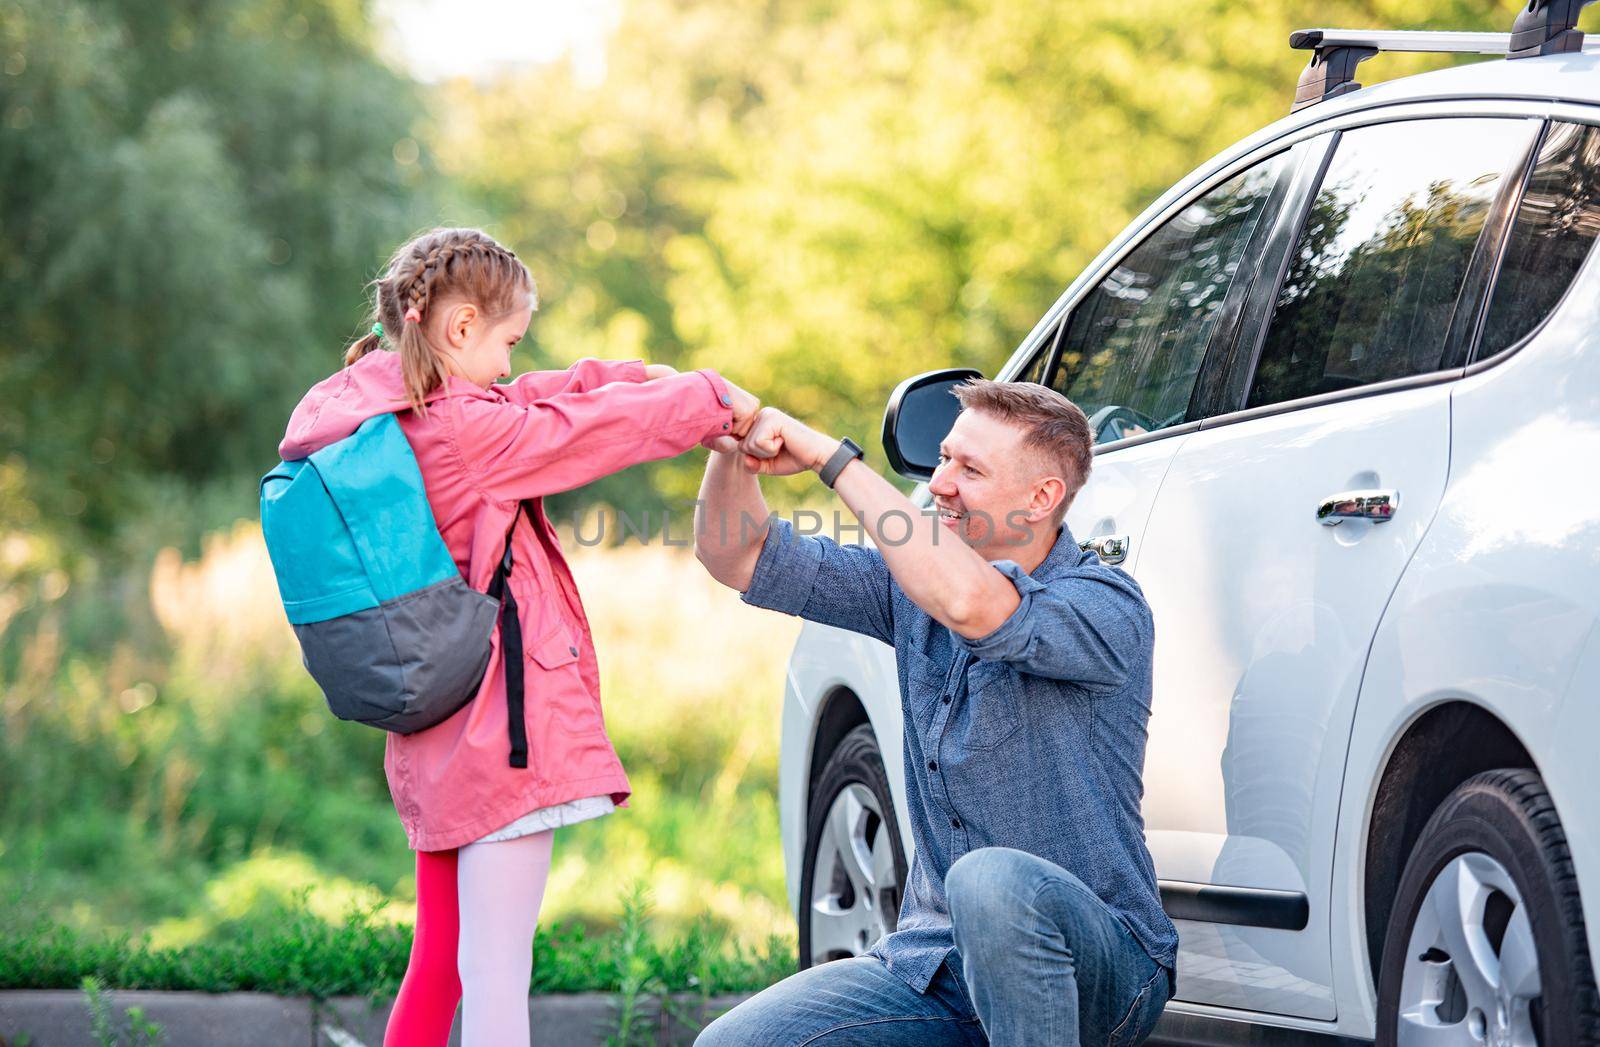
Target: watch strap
(848, 452)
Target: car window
(1034, 372)
(1554, 228)
(1372, 283)
(1133, 347)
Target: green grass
(179, 810)
(294, 952)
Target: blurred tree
(822, 198)
(191, 198)
(817, 197)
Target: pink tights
(476, 913)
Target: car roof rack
(1543, 27)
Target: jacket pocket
(556, 649)
(560, 689)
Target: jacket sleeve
(588, 373)
(565, 440)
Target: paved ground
(61, 1019)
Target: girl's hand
(654, 371)
(745, 409)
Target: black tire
(856, 760)
(1508, 816)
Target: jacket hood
(336, 406)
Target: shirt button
(933, 765)
(947, 699)
(573, 651)
(955, 823)
(727, 401)
(724, 425)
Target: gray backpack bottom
(444, 632)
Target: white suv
(1345, 381)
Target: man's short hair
(1053, 426)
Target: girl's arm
(566, 440)
(588, 373)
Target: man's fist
(778, 445)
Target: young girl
(453, 303)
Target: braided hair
(439, 266)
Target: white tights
(499, 887)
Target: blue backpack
(388, 628)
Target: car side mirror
(921, 411)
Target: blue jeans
(1042, 961)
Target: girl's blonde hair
(439, 266)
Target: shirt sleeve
(568, 439)
(822, 581)
(588, 373)
(1091, 627)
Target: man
(1030, 914)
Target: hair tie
(413, 315)
(377, 329)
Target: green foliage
(191, 198)
(632, 969)
(695, 964)
(818, 198)
(103, 1023)
(291, 951)
(181, 811)
(822, 199)
(287, 950)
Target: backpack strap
(511, 650)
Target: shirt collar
(1064, 554)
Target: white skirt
(554, 817)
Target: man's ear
(1047, 496)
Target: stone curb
(60, 1018)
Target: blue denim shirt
(1032, 737)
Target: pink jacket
(480, 452)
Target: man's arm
(730, 522)
(932, 565)
(817, 578)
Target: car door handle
(1111, 548)
(1377, 506)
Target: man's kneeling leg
(850, 1002)
(1046, 961)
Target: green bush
(293, 952)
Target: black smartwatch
(848, 452)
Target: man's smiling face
(984, 474)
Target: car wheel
(1486, 942)
(854, 864)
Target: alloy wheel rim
(855, 895)
(1472, 969)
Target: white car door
(1264, 612)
